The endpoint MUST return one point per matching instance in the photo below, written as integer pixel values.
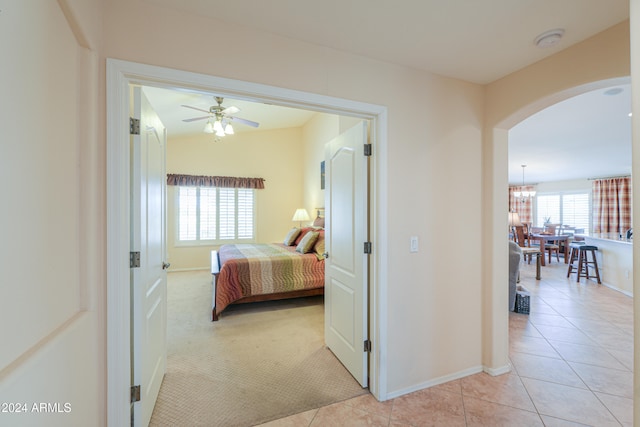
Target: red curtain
(522, 205)
(611, 205)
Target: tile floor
(572, 361)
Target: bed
(245, 273)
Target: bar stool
(581, 251)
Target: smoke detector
(549, 38)
(613, 91)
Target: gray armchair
(515, 256)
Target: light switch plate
(413, 247)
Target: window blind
(568, 209)
(548, 209)
(210, 214)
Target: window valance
(214, 181)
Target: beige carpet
(260, 362)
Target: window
(575, 210)
(567, 209)
(548, 209)
(211, 215)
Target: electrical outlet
(413, 247)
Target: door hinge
(367, 247)
(134, 126)
(367, 346)
(135, 393)
(367, 149)
(134, 259)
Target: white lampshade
(300, 215)
(208, 128)
(228, 129)
(514, 219)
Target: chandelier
(523, 195)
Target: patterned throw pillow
(303, 232)
(307, 242)
(319, 246)
(290, 239)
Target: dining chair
(566, 230)
(552, 245)
(527, 251)
(526, 228)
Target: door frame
(119, 75)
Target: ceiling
(476, 41)
(587, 136)
(168, 104)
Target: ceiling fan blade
(195, 118)
(230, 110)
(195, 108)
(244, 121)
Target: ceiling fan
(220, 118)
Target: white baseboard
(494, 372)
(177, 270)
(615, 288)
(436, 381)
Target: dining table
(543, 238)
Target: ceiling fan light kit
(221, 117)
(217, 127)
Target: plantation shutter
(245, 213)
(188, 228)
(227, 213)
(207, 213)
(575, 210)
(548, 209)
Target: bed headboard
(319, 221)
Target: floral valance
(214, 181)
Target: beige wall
(275, 155)
(446, 160)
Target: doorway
(495, 223)
(120, 75)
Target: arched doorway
(495, 249)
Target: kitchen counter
(615, 260)
(613, 237)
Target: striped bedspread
(258, 269)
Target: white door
(346, 268)
(149, 281)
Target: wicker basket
(522, 300)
